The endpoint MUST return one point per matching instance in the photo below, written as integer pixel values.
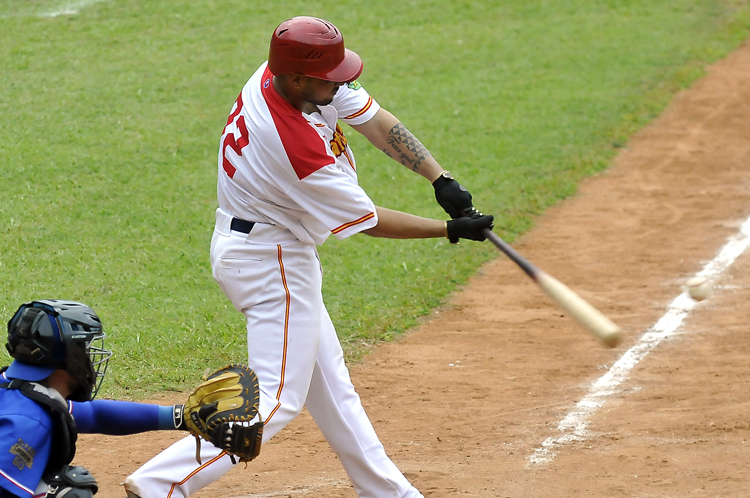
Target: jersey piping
(343, 227)
(193, 473)
(16, 483)
(286, 334)
(361, 111)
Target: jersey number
(230, 141)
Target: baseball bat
(589, 317)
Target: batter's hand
(469, 228)
(452, 196)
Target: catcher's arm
(224, 410)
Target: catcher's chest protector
(65, 432)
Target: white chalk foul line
(574, 426)
(68, 8)
(301, 490)
(55, 9)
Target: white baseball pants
(275, 281)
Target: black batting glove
(469, 228)
(452, 196)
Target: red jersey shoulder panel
(303, 146)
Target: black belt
(241, 226)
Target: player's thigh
(330, 352)
(283, 333)
(334, 403)
(332, 386)
(247, 273)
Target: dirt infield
(462, 401)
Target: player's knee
(132, 490)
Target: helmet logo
(314, 54)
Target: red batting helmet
(313, 47)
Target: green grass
(111, 119)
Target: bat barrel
(589, 317)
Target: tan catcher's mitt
(224, 411)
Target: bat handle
(531, 270)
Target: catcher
(46, 398)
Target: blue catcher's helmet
(52, 334)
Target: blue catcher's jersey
(26, 433)
(25, 440)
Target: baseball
(699, 288)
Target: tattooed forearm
(409, 151)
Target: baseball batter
(287, 180)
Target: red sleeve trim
(303, 146)
(361, 111)
(352, 223)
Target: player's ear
(298, 80)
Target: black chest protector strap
(65, 434)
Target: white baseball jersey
(280, 166)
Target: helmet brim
(348, 71)
(25, 371)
